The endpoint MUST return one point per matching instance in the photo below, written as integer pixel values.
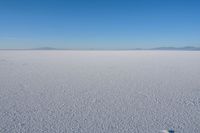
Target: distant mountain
(45, 48)
(187, 48)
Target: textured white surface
(99, 91)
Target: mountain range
(186, 48)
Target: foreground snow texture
(99, 91)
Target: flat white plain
(99, 91)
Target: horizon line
(186, 48)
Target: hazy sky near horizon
(104, 24)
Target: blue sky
(99, 24)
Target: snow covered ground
(99, 91)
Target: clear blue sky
(107, 24)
